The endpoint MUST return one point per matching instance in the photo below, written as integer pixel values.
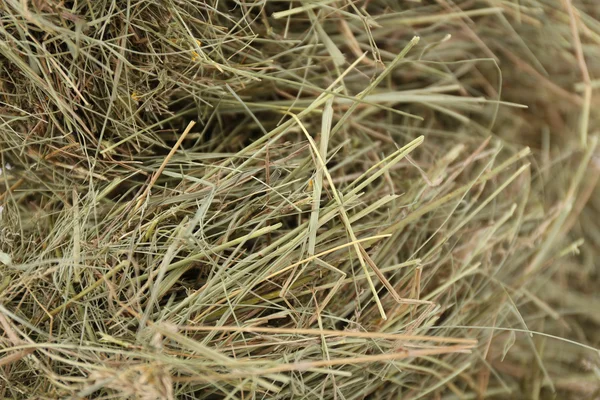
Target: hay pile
(309, 200)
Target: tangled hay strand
(332, 199)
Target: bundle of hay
(308, 200)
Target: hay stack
(308, 200)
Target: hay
(324, 199)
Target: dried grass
(283, 199)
